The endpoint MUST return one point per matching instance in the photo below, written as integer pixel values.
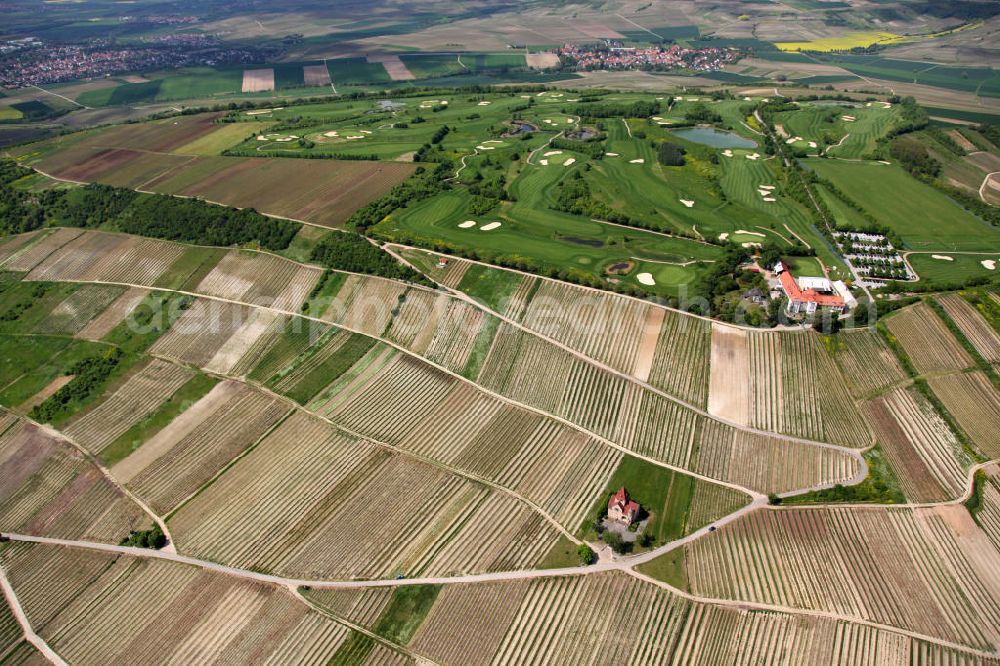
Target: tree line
(121, 209)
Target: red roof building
(622, 508)
(806, 300)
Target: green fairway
(366, 129)
(960, 268)
(925, 218)
(745, 181)
(530, 232)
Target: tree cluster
(640, 109)
(151, 538)
(351, 252)
(88, 375)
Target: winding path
(625, 564)
(22, 619)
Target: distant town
(613, 55)
(30, 61)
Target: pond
(710, 136)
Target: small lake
(710, 136)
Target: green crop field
(430, 66)
(189, 83)
(981, 80)
(925, 218)
(347, 71)
(10, 113)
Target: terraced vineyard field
(927, 341)
(974, 327)
(926, 455)
(973, 401)
(260, 279)
(988, 516)
(603, 327)
(73, 314)
(137, 398)
(680, 364)
(867, 363)
(768, 464)
(431, 521)
(794, 387)
(98, 256)
(80, 601)
(177, 460)
(851, 561)
(48, 488)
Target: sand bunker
(989, 264)
(724, 236)
(484, 103)
(490, 226)
(812, 144)
(481, 147)
(611, 154)
(750, 233)
(569, 161)
(687, 202)
(657, 118)
(646, 279)
(751, 244)
(942, 257)
(467, 224)
(331, 134)
(769, 199)
(848, 119)
(727, 152)
(258, 80)
(638, 161)
(753, 156)
(552, 152)
(765, 187)
(543, 162)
